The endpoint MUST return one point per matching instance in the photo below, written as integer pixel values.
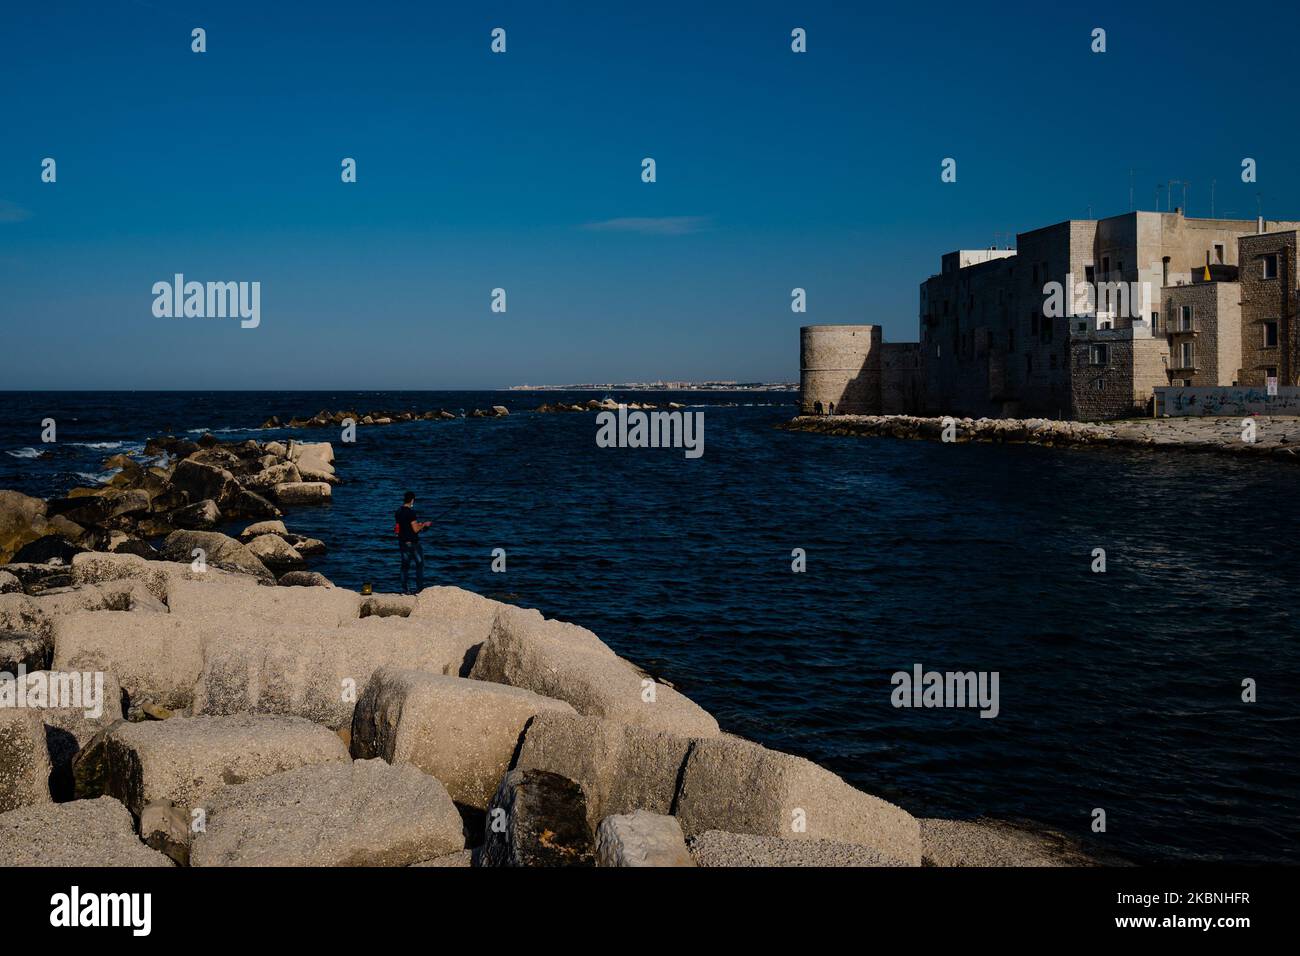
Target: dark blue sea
(1119, 691)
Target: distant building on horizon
(1146, 299)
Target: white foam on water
(24, 453)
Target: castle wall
(840, 369)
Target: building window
(1186, 356)
(1099, 355)
(1218, 252)
(1270, 334)
(1270, 265)
(1089, 274)
(1099, 383)
(1083, 326)
(1155, 322)
(1105, 267)
(1185, 318)
(1270, 372)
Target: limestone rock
(542, 821)
(200, 481)
(166, 829)
(303, 493)
(199, 516)
(24, 759)
(459, 615)
(260, 528)
(388, 605)
(95, 703)
(641, 838)
(463, 732)
(622, 768)
(741, 787)
(84, 833)
(188, 759)
(156, 657)
(305, 579)
(715, 848)
(996, 843)
(276, 553)
(22, 519)
(219, 551)
(18, 648)
(569, 663)
(366, 813)
(222, 598)
(9, 584)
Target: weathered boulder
(22, 519)
(47, 549)
(459, 614)
(542, 821)
(218, 551)
(463, 732)
(188, 759)
(305, 579)
(197, 517)
(996, 843)
(716, 848)
(276, 553)
(741, 787)
(23, 649)
(9, 584)
(641, 838)
(303, 493)
(24, 758)
(96, 568)
(156, 657)
(200, 481)
(312, 672)
(569, 663)
(500, 411)
(222, 597)
(366, 813)
(622, 768)
(459, 859)
(73, 706)
(84, 833)
(166, 828)
(388, 605)
(260, 528)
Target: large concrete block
(313, 672)
(73, 707)
(461, 615)
(569, 663)
(24, 758)
(366, 813)
(621, 767)
(996, 843)
(188, 759)
(95, 568)
(741, 787)
(218, 551)
(227, 597)
(156, 657)
(83, 833)
(464, 732)
(537, 818)
(641, 839)
(714, 848)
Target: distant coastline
(663, 387)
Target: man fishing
(408, 540)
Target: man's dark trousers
(412, 553)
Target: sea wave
(25, 453)
(102, 478)
(97, 444)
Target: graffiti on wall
(1227, 400)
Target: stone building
(1201, 324)
(993, 344)
(849, 370)
(1270, 341)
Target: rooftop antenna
(1130, 190)
(1212, 185)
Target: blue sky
(478, 171)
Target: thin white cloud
(11, 213)
(653, 225)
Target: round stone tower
(839, 370)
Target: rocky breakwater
(598, 405)
(1252, 436)
(169, 508)
(243, 724)
(327, 419)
